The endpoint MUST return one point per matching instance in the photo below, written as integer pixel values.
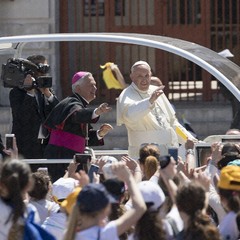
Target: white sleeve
(215, 203)
(154, 179)
(109, 232)
(31, 207)
(130, 107)
(137, 110)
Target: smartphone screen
(203, 153)
(9, 140)
(174, 153)
(93, 168)
(84, 160)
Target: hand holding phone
(9, 140)
(173, 151)
(83, 161)
(93, 169)
(82, 158)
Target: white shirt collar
(140, 91)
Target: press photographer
(15, 71)
(31, 100)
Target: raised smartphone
(9, 140)
(84, 160)
(172, 151)
(93, 168)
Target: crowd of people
(146, 194)
(154, 197)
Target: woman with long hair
(148, 159)
(191, 201)
(150, 225)
(117, 189)
(15, 181)
(168, 171)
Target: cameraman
(30, 107)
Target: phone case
(93, 168)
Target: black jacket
(71, 115)
(3, 155)
(28, 113)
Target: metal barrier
(57, 167)
(98, 153)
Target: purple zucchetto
(77, 76)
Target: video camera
(15, 71)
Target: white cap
(63, 187)
(152, 193)
(107, 168)
(140, 63)
(107, 171)
(109, 159)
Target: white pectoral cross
(156, 110)
(159, 115)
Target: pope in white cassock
(147, 113)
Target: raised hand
(104, 129)
(103, 108)
(156, 94)
(131, 163)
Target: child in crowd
(117, 190)
(56, 223)
(229, 191)
(38, 195)
(192, 202)
(93, 207)
(15, 182)
(151, 225)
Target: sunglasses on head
(147, 144)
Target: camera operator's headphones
(43, 68)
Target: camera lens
(43, 68)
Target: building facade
(214, 24)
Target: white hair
(80, 81)
(140, 63)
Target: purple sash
(67, 140)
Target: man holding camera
(70, 120)
(31, 104)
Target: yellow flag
(109, 78)
(181, 133)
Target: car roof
(223, 69)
